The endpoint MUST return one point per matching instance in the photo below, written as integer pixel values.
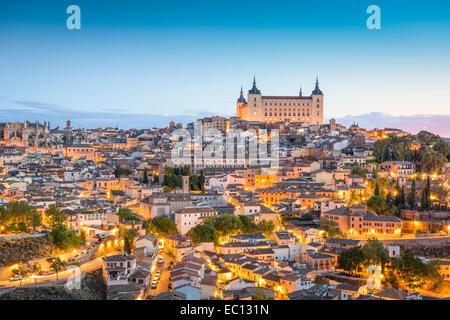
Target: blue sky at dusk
(184, 58)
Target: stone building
(26, 134)
(270, 109)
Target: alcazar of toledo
(272, 109)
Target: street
(164, 279)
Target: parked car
(45, 231)
(16, 278)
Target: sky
(182, 59)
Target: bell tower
(317, 105)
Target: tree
(353, 198)
(56, 265)
(149, 227)
(378, 205)
(377, 190)
(441, 193)
(423, 201)
(375, 254)
(351, 260)
(128, 236)
(64, 238)
(266, 227)
(248, 226)
(202, 233)
(122, 172)
(34, 219)
(410, 270)
(165, 226)
(436, 281)
(259, 295)
(412, 195)
(226, 225)
(145, 180)
(55, 216)
(360, 172)
(126, 214)
(330, 228)
(402, 197)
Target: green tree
(122, 172)
(375, 254)
(259, 295)
(441, 193)
(360, 172)
(248, 226)
(423, 201)
(126, 214)
(145, 180)
(428, 192)
(266, 227)
(128, 236)
(64, 238)
(377, 190)
(55, 216)
(410, 270)
(165, 226)
(226, 225)
(202, 233)
(56, 265)
(149, 227)
(330, 228)
(412, 195)
(378, 205)
(351, 260)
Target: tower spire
(254, 89)
(317, 89)
(241, 97)
(300, 92)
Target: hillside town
(345, 214)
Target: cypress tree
(402, 197)
(377, 189)
(423, 201)
(412, 195)
(145, 180)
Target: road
(51, 278)
(164, 280)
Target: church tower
(317, 105)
